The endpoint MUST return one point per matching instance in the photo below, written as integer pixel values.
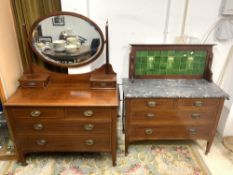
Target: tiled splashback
(170, 62)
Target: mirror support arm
(107, 48)
(28, 50)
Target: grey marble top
(172, 88)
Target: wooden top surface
(64, 95)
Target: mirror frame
(42, 57)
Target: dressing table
(54, 112)
(169, 94)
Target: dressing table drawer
(172, 117)
(151, 104)
(103, 85)
(34, 143)
(168, 132)
(49, 126)
(88, 113)
(198, 104)
(36, 112)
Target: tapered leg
(114, 158)
(22, 159)
(208, 145)
(126, 146)
(123, 115)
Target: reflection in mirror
(67, 40)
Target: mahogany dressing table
(54, 112)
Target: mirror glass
(66, 39)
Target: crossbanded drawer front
(36, 112)
(88, 113)
(198, 104)
(169, 132)
(151, 104)
(172, 117)
(64, 126)
(45, 142)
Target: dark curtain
(26, 12)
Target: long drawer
(168, 132)
(63, 126)
(151, 117)
(45, 142)
(85, 113)
(36, 112)
(151, 104)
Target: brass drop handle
(88, 113)
(89, 127)
(149, 131)
(41, 142)
(196, 115)
(192, 131)
(89, 142)
(198, 103)
(35, 113)
(31, 83)
(38, 126)
(151, 103)
(103, 84)
(150, 115)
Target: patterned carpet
(151, 158)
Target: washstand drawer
(152, 103)
(64, 143)
(50, 126)
(36, 112)
(169, 132)
(198, 104)
(172, 117)
(88, 113)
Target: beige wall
(10, 62)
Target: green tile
(171, 53)
(163, 66)
(163, 60)
(149, 72)
(138, 54)
(182, 65)
(182, 72)
(176, 65)
(144, 53)
(162, 72)
(164, 53)
(189, 72)
(183, 59)
(150, 53)
(157, 53)
(156, 66)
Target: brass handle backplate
(41, 142)
(198, 103)
(88, 113)
(192, 131)
(89, 127)
(151, 103)
(103, 84)
(148, 131)
(31, 83)
(150, 115)
(35, 113)
(196, 115)
(38, 126)
(89, 142)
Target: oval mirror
(66, 39)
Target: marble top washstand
(172, 88)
